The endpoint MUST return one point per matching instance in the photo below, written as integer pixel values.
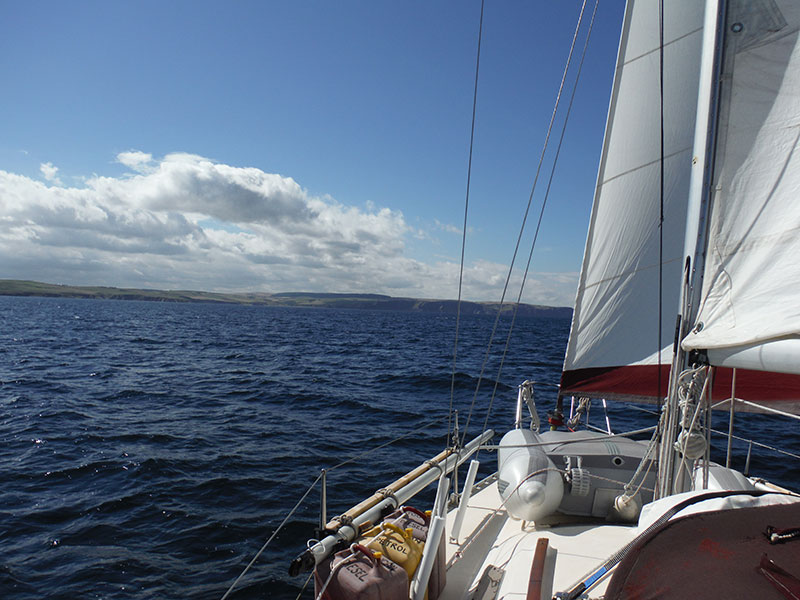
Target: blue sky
(286, 146)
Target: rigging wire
(576, 440)
(464, 230)
(725, 433)
(272, 537)
(760, 407)
(759, 444)
(305, 495)
(376, 448)
(541, 212)
(525, 217)
(305, 585)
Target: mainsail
(619, 345)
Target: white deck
(490, 537)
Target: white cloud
(449, 228)
(185, 221)
(136, 160)
(50, 172)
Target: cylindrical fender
(528, 481)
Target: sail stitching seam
(647, 164)
(676, 40)
(629, 272)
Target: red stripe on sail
(640, 383)
(758, 386)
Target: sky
(297, 146)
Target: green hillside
(13, 287)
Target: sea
(150, 449)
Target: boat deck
(490, 538)
(493, 557)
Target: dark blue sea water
(149, 449)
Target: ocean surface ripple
(149, 449)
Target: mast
(669, 481)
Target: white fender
(528, 497)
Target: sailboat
(696, 221)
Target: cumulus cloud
(185, 221)
(136, 160)
(50, 172)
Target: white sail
(749, 316)
(614, 342)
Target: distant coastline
(14, 287)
